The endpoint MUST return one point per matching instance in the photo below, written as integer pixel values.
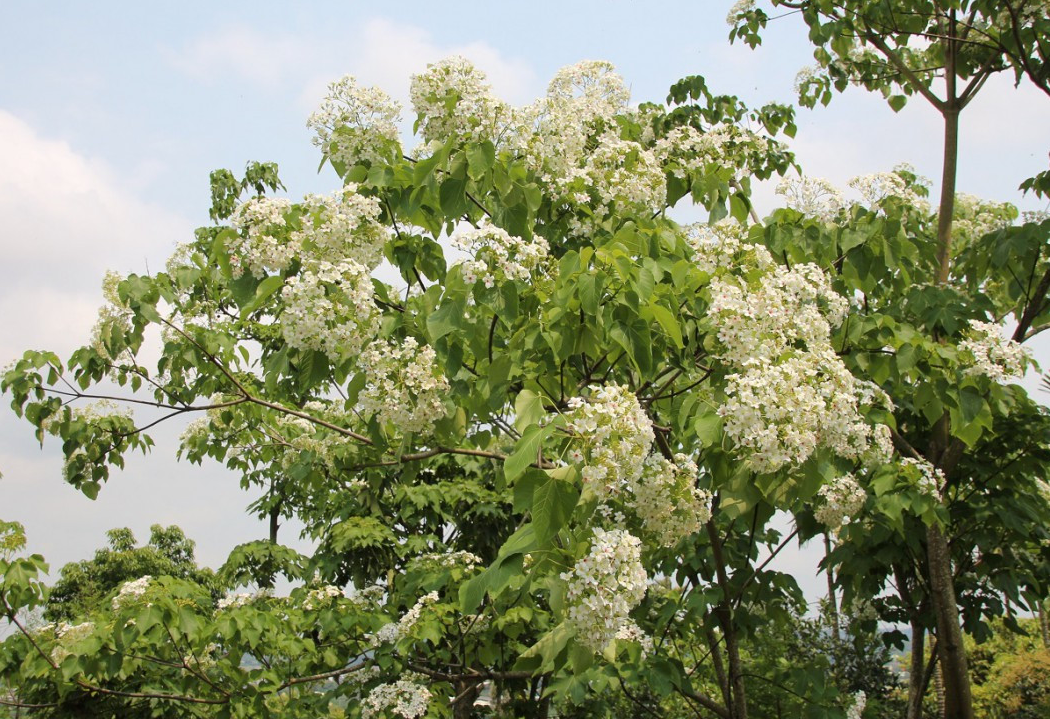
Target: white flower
(986, 352)
(131, 592)
(614, 435)
(406, 698)
(328, 307)
(605, 586)
(665, 497)
(356, 124)
(843, 497)
(405, 387)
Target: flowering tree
(541, 465)
(943, 52)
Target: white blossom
(131, 592)
(394, 631)
(605, 586)
(405, 386)
(263, 244)
(665, 497)
(329, 308)
(614, 433)
(842, 498)
(356, 124)
(498, 256)
(812, 196)
(341, 226)
(454, 100)
(986, 352)
(406, 698)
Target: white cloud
(67, 220)
(379, 52)
(245, 53)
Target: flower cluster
(812, 196)
(234, 601)
(321, 597)
(66, 636)
(856, 708)
(617, 173)
(605, 586)
(114, 317)
(631, 632)
(928, 479)
(667, 501)
(739, 10)
(791, 392)
(686, 151)
(615, 435)
(758, 322)
(131, 592)
(406, 698)
(448, 560)
(986, 352)
(341, 226)
(901, 184)
(779, 413)
(973, 217)
(329, 308)
(721, 246)
(498, 256)
(263, 244)
(581, 99)
(393, 631)
(453, 99)
(405, 386)
(356, 124)
(843, 498)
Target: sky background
(112, 115)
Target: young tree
(943, 52)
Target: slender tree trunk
(724, 613)
(833, 609)
(953, 668)
(916, 670)
(1044, 624)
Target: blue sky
(112, 115)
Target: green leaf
(480, 159)
(708, 429)
(528, 409)
(263, 292)
(446, 318)
(526, 451)
(897, 102)
(541, 655)
(552, 505)
(670, 325)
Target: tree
(909, 49)
(549, 467)
(83, 585)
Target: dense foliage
(547, 467)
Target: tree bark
(724, 614)
(954, 669)
(833, 609)
(916, 670)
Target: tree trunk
(916, 670)
(833, 609)
(724, 613)
(1044, 624)
(953, 668)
